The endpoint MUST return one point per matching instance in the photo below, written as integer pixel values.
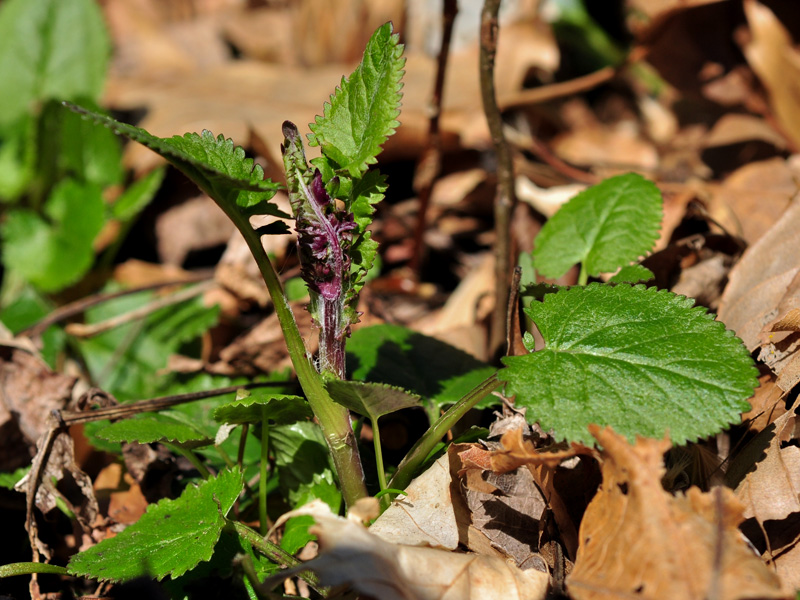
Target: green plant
(641, 360)
(58, 173)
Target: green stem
(191, 457)
(28, 568)
(333, 418)
(420, 451)
(262, 484)
(583, 276)
(272, 551)
(376, 440)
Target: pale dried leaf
(424, 516)
(351, 555)
(638, 540)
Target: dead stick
(155, 404)
(504, 199)
(430, 165)
(80, 306)
(92, 329)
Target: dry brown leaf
(758, 283)
(61, 466)
(350, 554)
(777, 64)
(507, 509)
(196, 224)
(735, 128)
(754, 197)
(772, 491)
(29, 391)
(639, 541)
(657, 8)
(766, 404)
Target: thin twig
(155, 404)
(554, 91)
(430, 165)
(79, 306)
(504, 199)
(85, 330)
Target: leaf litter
(624, 534)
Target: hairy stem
(333, 418)
(504, 199)
(420, 451)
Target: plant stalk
(333, 418)
(420, 451)
(504, 199)
(262, 483)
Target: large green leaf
(171, 538)
(640, 360)
(604, 227)
(218, 167)
(398, 356)
(56, 252)
(363, 111)
(50, 49)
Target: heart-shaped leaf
(640, 360)
(604, 227)
(372, 400)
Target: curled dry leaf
(351, 555)
(638, 540)
(762, 296)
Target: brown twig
(504, 199)
(92, 329)
(430, 165)
(554, 91)
(142, 406)
(79, 306)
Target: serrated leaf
(640, 360)
(280, 409)
(371, 400)
(363, 111)
(398, 356)
(171, 538)
(50, 49)
(632, 274)
(605, 227)
(218, 167)
(56, 252)
(149, 428)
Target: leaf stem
(420, 451)
(583, 276)
(376, 440)
(272, 551)
(28, 568)
(333, 418)
(191, 457)
(262, 483)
